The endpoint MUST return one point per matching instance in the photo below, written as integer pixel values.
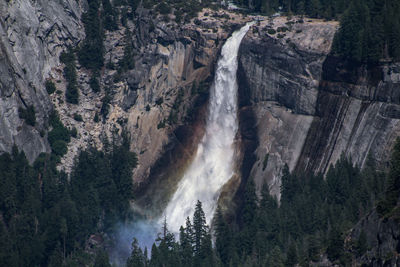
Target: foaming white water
(212, 166)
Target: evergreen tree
(101, 259)
(275, 258)
(202, 237)
(393, 189)
(223, 239)
(136, 259)
(167, 248)
(291, 258)
(186, 244)
(335, 245)
(199, 228)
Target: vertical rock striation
(279, 75)
(32, 35)
(309, 107)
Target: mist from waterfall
(213, 163)
(211, 168)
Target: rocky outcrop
(151, 101)
(280, 67)
(32, 35)
(310, 107)
(154, 99)
(172, 67)
(357, 114)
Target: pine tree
(186, 244)
(199, 228)
(393, 181)
(167, 248)
(136, 258)
(289, 186)
(249, 212)
(335, 245)
(101, 259)
(223, 239)
(202, 238)
(275, 258)
(291, 258)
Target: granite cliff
(309, 107)
(299, 105)
(32, 34)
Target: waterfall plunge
(213, 164)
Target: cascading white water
(212, 166)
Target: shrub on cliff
(28, 115)
(59, 136)
(50, 87)
(71, 92)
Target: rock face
(32, 35)
(357, 114)
(309, 107)
(165, 85)
(298, 105)
(159, 96)
(279, 74)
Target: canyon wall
(32, 35)
(299, 105)
(310, 107)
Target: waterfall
(213, 164)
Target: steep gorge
(307, 107)
(299, 105)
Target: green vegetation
(94, 82)
(74, 132)
(161, 124)
(105, 107)
(127, 63)
(91, 53)
(71, 93)
(78, 117)
(193, 249)
(389, 203)
(59, 136)
(369, 30)
(28, 115)
(312, 218)
(50, 87)
(159, 101)
(46, 217)
(96, 117)
(109, 16)
(312, 8)
(184, 11)
(173, 116)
